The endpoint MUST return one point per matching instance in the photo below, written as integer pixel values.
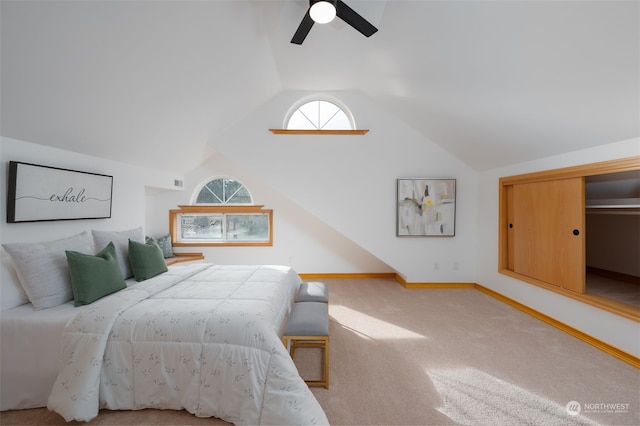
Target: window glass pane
(338, 121)
(318, 115)
(224, 191)
(311, 111)
(247, 227)
(326, 112)
(240, 195)
(300, 122)
(201, 227)
(211, 193)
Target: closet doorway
(612, 225)
(543, 232)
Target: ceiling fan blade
(303, 29)
(352, 18)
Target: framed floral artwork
(426, 207)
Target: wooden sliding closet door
(547, 220)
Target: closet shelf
(614, 203)
(613, 206)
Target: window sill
(318, 132)
(184, 257)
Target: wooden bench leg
(322, 342)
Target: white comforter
(203, 337)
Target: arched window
(223, 191)
(222, 213)
(319, 114)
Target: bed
(201, 337)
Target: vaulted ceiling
(493, 82)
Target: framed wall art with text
(39, 193)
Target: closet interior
(612, 225)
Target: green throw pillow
(93, 277)
(146, 260)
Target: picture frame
(425, 207)
(42, 193)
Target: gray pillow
(42, 268)
(93, 277)
(164, 242)
(120, 240)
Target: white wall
(300, 240)
(128, 206)
(619, 332)
(349, 184)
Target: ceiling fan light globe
(322, 12)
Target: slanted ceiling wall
(349, 182)
(300, 240)
(345, 187)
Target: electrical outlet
(436, 265)
(456, 266)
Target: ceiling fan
(323, 11)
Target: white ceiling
(493, 82)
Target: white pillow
(120, 239)
(42, 268)
(11, 291)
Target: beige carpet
(438, 357)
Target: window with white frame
(319, 114)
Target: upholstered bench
(308, 327)
(313, 291)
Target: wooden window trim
(183, 257)
(318, 132)
(593, 169)
(173, 224)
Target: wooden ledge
(184, 257)
(318, 132)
